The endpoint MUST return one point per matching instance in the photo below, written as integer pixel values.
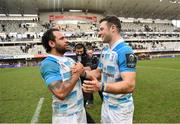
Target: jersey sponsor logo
(131, 60)
(111, 69)
(106, 75)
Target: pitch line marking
(37, 112)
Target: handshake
(77, 69)
(90, 85)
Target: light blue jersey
(120, 58)
(55, 68)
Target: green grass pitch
(156, 98)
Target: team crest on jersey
(131, 60)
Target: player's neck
(54, 52)
(115, 38)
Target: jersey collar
(116, 43)
(57, 57)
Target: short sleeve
(50, 72)
(127, 60)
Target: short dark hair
(90, 48)
(112, 20)
(47, 36)
(79, 46)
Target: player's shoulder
(123, 48)
(48, 61)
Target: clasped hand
(92, 85)
(77, 68)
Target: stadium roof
(162, 9)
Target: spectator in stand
(56, 26)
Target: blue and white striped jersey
(113, 61)
(55, 68)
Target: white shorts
(78, 118)
(118, 115)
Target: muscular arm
(127, 63)
(62, 89)
(127, 85)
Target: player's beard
(107, 38)
(61, 50)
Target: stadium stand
(21, 35)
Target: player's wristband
(102, 87)
(84, 75)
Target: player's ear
(51, 43)
(113, 28)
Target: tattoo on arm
(62, 88)
(58, 85)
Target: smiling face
(105, 32)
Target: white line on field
(37, 112)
